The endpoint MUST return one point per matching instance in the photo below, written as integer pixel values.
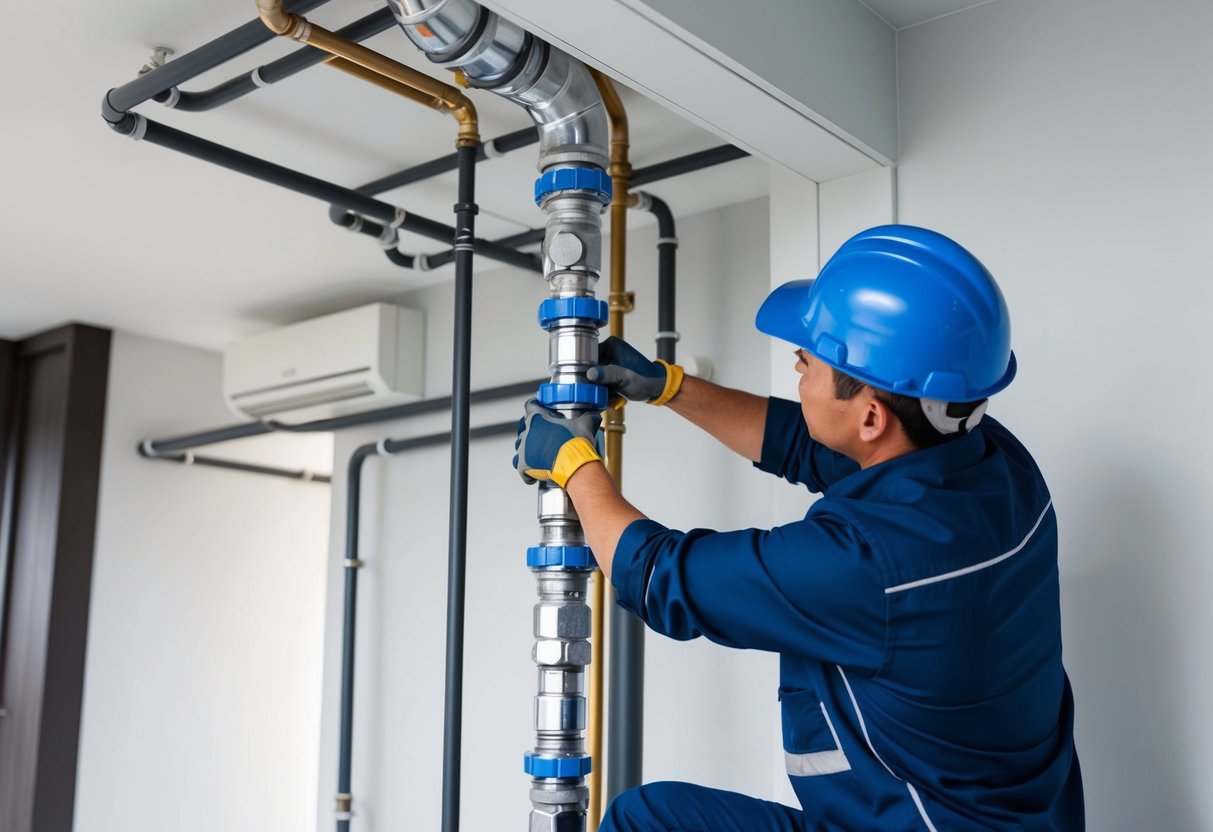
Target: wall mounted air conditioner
(361, 359)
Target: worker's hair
(908, 411)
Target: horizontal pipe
(662, 170)
(501, 250)
(384, 414)
(528, 237)
(285, 67)
(193, 63)
(233, 465)
(444, 164)
(208, 151)
(687, 164)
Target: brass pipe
(384, 82)
(620, 302)
(431, 92)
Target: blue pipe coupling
(580, 394)
(594, 180)
(569, 557)
(575, 310)
(559, 767)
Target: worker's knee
(642, 809)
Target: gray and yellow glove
(551, 447)
(627, 373)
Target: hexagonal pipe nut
(551, 652)
(562, 621)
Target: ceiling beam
(807, 84)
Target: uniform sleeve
(789, 452)
(810, 588)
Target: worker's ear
(876, 419)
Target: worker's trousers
(683, 807)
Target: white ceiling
(97, 228)
(902, 14)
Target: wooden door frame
(53, 463)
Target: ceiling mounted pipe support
(573, 188)
(275, 71)
(351, 564)
(121, 99)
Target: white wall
(1067, 144)
(202, 683)
(687, 481)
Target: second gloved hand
(551, 447)
(627, 373)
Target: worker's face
(832, 421)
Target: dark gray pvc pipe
(625, 717)
(214, 436)
(444, 164)
(208, 151)
(687, 164)
(349, 617)
(193, 63)
(452, 733)
(285, 67)
(662, 170)
(246, 467)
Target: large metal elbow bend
(566, 105)
(497, 55)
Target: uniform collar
(942, 460)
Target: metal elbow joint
(494, 54)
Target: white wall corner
(853, 203)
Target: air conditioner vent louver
(332, 394)
(351, 361)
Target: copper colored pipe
(433, 93)
(620, 302)
(384, 82)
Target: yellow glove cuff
(673, 382)
(572, 455)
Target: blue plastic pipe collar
(570, 557)
(586, 310)
(583, 395)
(594, 180)
(559, 767)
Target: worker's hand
(627, 373)
(551, 447)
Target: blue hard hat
(903, 309)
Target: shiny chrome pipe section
(573, 189)
(497, 55)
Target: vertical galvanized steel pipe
(565, 105)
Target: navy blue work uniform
(915, 610)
